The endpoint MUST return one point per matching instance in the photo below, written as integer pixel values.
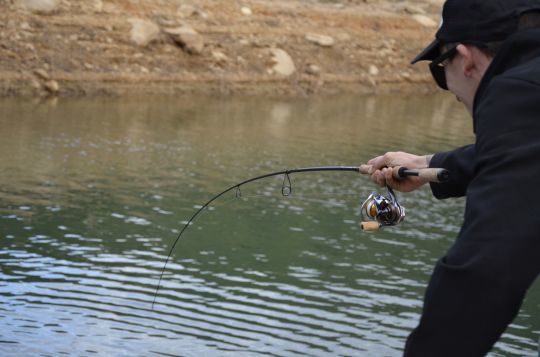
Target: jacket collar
(519, 48)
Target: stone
(313, 69)
(44, 6)
(97, 5)
(52, 86)
(411, 9)
(424, 20)
(321, 40)
(283, 64)
(219, 56)
(202, 14)
(438, 3)
(373, 70)
(241, 60)
(111, 8)
(35, 84)
(186, 10)
(344, 37)
(41, 73)
(246, 11)
(167, 22)
(143, 31)
(186, 37)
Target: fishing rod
(380, 210)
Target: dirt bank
(146, 47)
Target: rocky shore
(254, 47)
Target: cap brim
(429, 53)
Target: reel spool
(378, 210)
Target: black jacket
(476, 290)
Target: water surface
(94, 191)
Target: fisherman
(487, 53)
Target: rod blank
(237, 186)
(432, 175)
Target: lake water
(93, 193)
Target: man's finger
(377, 163)
(378, 178)
(390, 180)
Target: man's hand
(382, 166)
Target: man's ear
(467, 56)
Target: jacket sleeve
(460, 163)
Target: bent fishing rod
(379, 210)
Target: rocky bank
(255, 47)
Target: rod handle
(370, 226)
(430, 174)
(425, 174)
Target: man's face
(464, 71)
(457, 83)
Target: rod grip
(433, 174)
(396, 171)
(425, 174)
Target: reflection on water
(94, 191)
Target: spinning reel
(378, 210)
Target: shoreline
(141, 47)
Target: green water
(93, 193)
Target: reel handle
(426, 174)
(370, 226)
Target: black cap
(476, 22)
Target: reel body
(378, 210)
